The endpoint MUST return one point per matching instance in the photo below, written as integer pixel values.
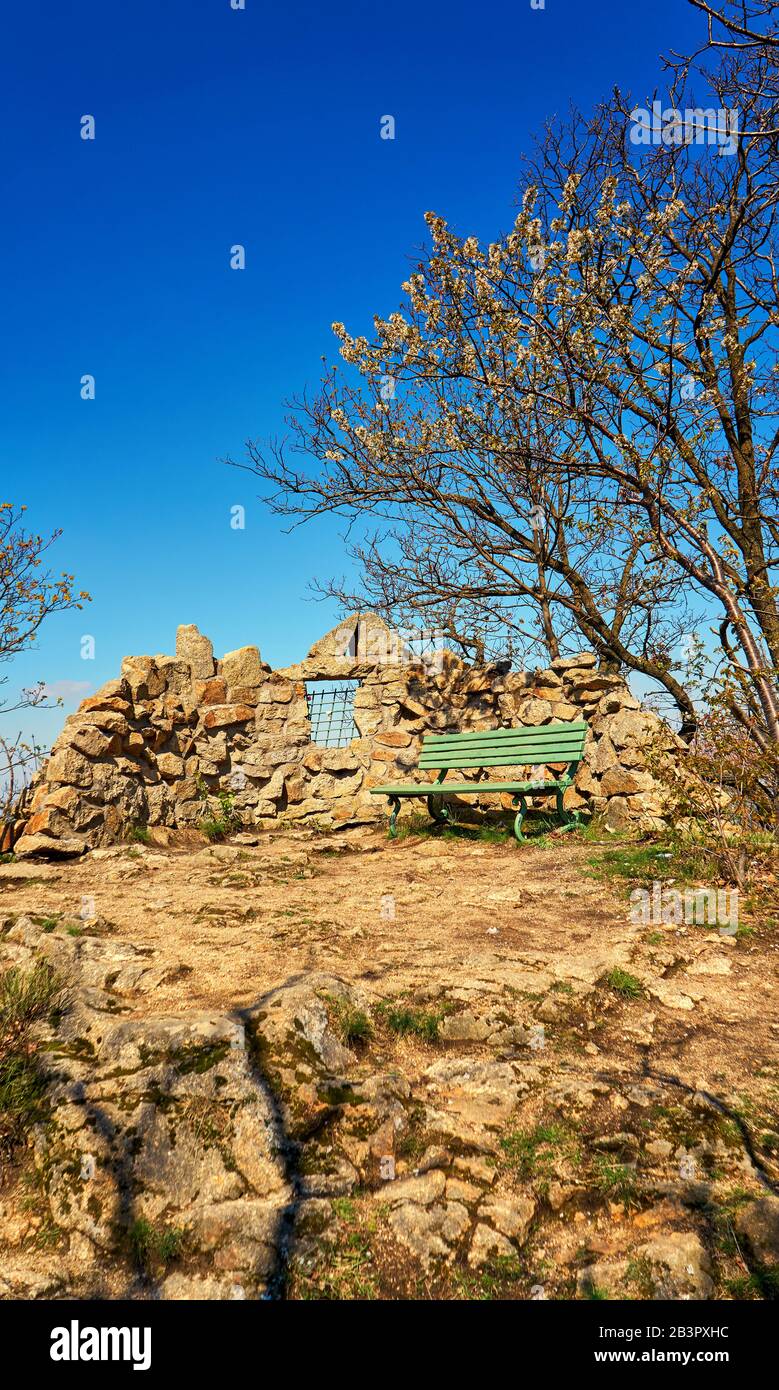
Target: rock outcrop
(158, 1132)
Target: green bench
(514, 748)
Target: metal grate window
(331, 712)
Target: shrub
(222, 820)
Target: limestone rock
(430, 1232)
(758, 1224)
(142, 748)
(63, 847)
(487, 1245)
(681, 1266)
(170, 766)
(423, 1190)
(295, 1016)
(222, 716)
(464, 1027)
(95, 743)
(510, 1215)
(243, 667)
(158, 1118)
(66, 765)
(617, 781)
(196, 650)
(582, 660)
(676, 1265)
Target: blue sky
(214, 127)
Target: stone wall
(157, 745)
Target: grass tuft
(624, 984)
(154, 1248)
(353, 1025)
(405, 1021)
(26, 998)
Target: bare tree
(28, 594)
(572, 431)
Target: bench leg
(571, 820)
(520, 816)
(439, 810)
(395, 804)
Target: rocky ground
(331, 1066)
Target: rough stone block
(195, 649)
(211, 691)
(170, 766)
(66, 765)
(243, 667)
(222, 716)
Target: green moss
(198, 1058)
(616, 1181)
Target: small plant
(139, 834)
(616, 1181)
(154, 1248)
(637, 863)
(624, 984)
(353, 1025)
(639, 1273)
(344, 1208)
(420, 1023)
(26, 998)
(414, 824)
(224, 820)
(500, 1274)
(595, 1294)
(530, 1153)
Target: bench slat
(497, 735)
(480, 741)
(505, 746)
(525, 757)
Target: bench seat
(531, 746)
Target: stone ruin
(158, 746)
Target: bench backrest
(525, 746)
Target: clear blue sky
(214, 127)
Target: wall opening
(330, 706)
